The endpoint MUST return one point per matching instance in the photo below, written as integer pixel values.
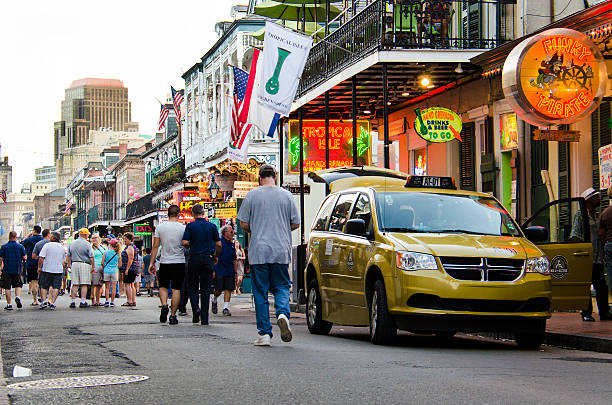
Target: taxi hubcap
(374, 313)
(312, 306)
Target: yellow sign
(437, 124)
(241, 188)
(556, 77)
(509, 132)
(225, 210)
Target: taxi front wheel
(314, 318)
(382, 326)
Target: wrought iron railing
(409, 24)
(80, 221)
(140, 207)
(101, 212)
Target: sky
(148, 44)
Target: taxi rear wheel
(314, 311)
(382, 326)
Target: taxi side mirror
(536, 234)
(356, 227)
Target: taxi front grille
(483, 268)
(428, 301)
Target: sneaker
(163, 316)
(44, 305)
(51, 306)
(83, 305)
(226, 312)
(9, 307)
(262, 340)
(182, 312)
(283, 324)
(173, 320)
(196, 317)
(588, 318)
(112, 305)
(203, 322)
(18, 302)
(72, 305)
(214, 308)
(106, 304)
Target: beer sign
(437, 124)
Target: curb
(4, 398)
(579, 342)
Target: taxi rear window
(443, 213)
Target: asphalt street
(189, 363)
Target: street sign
(556, 135)
(295, 188)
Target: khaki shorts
(111, 276)
(97, 277)
(81, 273)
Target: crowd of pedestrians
(189, 262)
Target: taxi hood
(464, 245)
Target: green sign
(143, 229)
(437, 124)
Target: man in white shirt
(172, 262)
(51, 270)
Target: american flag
(177, 99)
(68, 205)
(3, 195)
(239, 130)
(163, 115)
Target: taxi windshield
(443, 213)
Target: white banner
(261, 115)
(605, 167)
(284, 57)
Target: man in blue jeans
(269, 213)
(202, 239)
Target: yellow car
(392, 251)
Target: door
(569, 251)
(317, 242)
(333, 284)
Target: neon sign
(340, 144)
(437, 124)
(143, 229)
(556, 77)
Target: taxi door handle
(581, 253)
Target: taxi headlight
(411, 261)
(537, 265)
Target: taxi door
(569, 250)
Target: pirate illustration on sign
(553, 73)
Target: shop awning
(141, 218)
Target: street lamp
(213, 188)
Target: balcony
(102, 212)
(80, 221)
(392, 25)
(140, 207)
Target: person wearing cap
(81, 261)
(591, 196)
(269, 213)
(202, 239)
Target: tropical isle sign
(556, 77)
(437, 124)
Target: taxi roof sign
(447, 183)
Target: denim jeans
(199, 272)
(608, 258)
(274, 278)
(185, 290)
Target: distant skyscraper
(45, 174)
(90, 105)
(6, 175)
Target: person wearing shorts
(31, 263)
(225, 271)
(51, 270)
(110, 267)
(12, 254)
(97, 278)
(169, 235)
(129, 268)
(82, 266)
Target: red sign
(340, 144)
(143, 229)
(186, 200)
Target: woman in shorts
(129, 268)
(110, 267)
(97, 278)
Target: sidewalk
(566, 329)
(4, 399)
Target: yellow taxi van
(392, 251)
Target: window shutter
(466, 158)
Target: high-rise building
(45, 174)
(6, 175)
(90, 105)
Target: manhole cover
(77, 382)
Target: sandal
(133, 304)
(127, 304)
(34, 304)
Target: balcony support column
(354, 116)
(281, 150)
(301, 159)
(385, 115)
(326, 137)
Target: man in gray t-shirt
(270, 213)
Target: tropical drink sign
(437, 124)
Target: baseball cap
(83, 231)
(589, 193)
(113, 242)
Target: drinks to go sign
(143, 229)
(437, 124)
